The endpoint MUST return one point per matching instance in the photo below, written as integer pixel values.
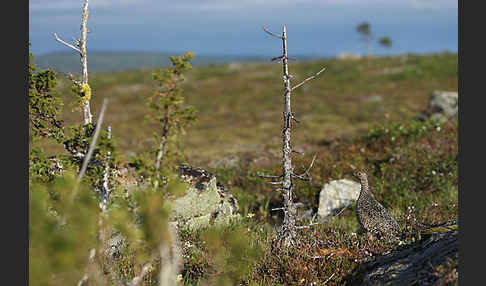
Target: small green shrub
(61, 231)
(168, 110)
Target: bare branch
(277, 209)
(269, 176)
(71, 78)
(272, 34)
(298, 152)
(309, 78)
(93, 142)
(66, 43)
(312, 164)
(279, 60)
(276, 183)
(305, 176)
(293, 118)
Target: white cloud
(46, 5)
(227, 5)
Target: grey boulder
(442, 106)
(336, 195)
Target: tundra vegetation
(363, 113)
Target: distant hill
(101, 61)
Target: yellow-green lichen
(83, 91)
(84, 94)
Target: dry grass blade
(93, 142)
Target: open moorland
(359, 113)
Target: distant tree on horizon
(364, 29)
(385, 42)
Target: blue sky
(228, 27)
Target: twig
(272, 34)
(275, 183)
(303, 178)
(66, 43)
(327, 280)
(298, 152)
(269, 176)
(309, 78)
(311, 164)
(306, 173)
(293, 118)
(71, 77)
(93, 142)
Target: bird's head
(360, 175)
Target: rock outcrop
(417, 264)
(206, 202)
(442, 106)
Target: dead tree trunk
(80, 47)
(84, 60)
(288, 232)
(286, 236)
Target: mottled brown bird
(372, 216)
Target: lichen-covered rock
(206, 202)
(337, 194)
